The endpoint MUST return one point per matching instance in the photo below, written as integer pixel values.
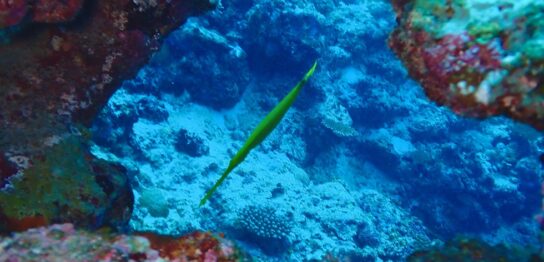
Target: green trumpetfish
(262, 130)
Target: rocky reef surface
(62, 242)
(363, 167)
(60, 63)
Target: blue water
(363, 167)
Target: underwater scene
(271, 130)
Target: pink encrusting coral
(457, 63)
(62, 242)
(481, 58)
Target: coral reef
(364, 166)
(59, 67)
(478, 67)
(62, 242)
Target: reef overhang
(60, 61)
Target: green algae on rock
(67, 178)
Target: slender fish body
(262, 130)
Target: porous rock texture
(60, 62)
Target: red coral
(12, 12)
(440, 58)
(454, 54)
(438, 64)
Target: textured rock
(476, 179)
(478, 67)
(48, 11)
(41, 11)
(66, 184)
(55, 77)
(201, 72)
(152, 110)
(190, 144)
